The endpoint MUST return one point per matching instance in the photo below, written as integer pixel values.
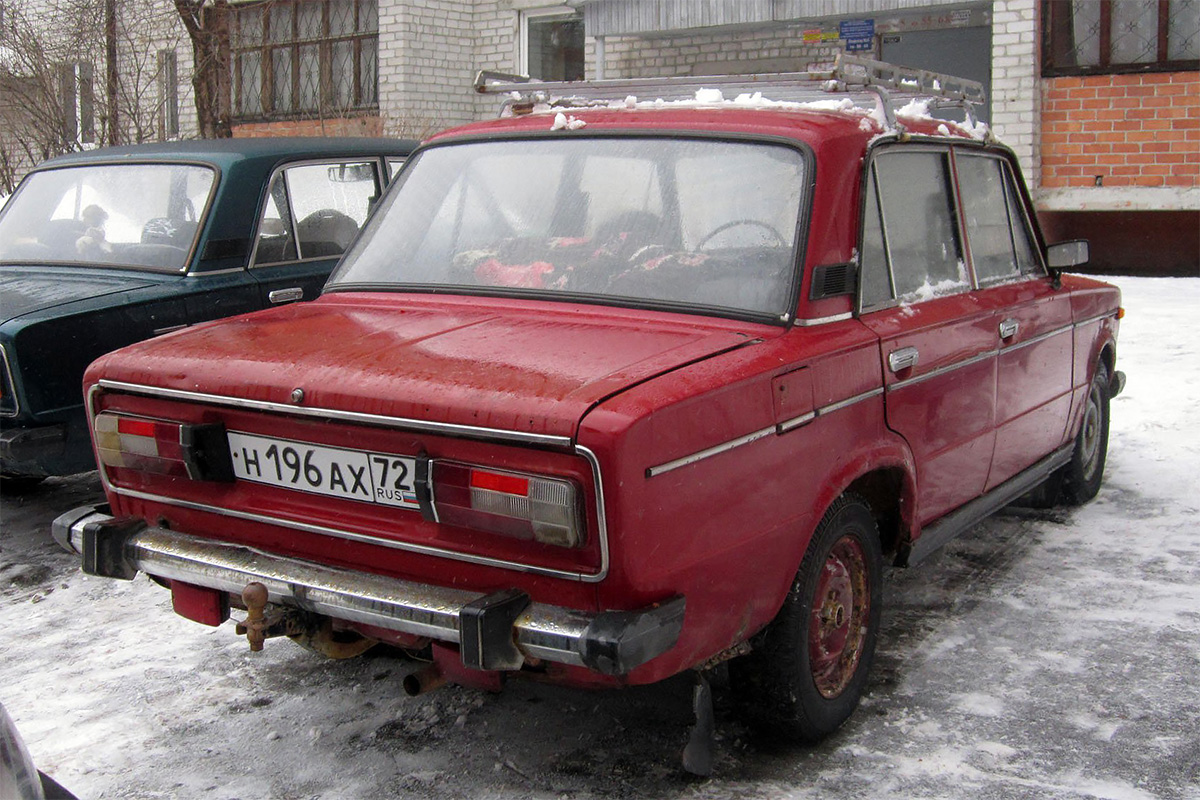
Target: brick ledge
(1120, 199)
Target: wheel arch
(884, 476)
(1108, 355)
(886, 495)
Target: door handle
(286, 295)
(902, 359)
(1008, 328)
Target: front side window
(145, 216)
(1099, 36)
(1001, 247)
(315, 210)
(296, 58)
(672, 222)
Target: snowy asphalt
(1042, 655)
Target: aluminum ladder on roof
(851, 75)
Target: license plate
(355, 474)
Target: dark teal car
(109, 247)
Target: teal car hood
(24, 290)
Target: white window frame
(537, 13)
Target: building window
(305, 58)
(1110, 36)
(552, 44)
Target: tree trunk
(208, 27)
(112, 74)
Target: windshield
(673, 222)
(144, 216)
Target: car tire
(1083, 474)
(809, 667)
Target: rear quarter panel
(729, 531)
(1094, 307)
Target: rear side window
(315, 210)
(1000, 242)
(912, 250)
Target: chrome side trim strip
(779, 428)
(412, 547)
(940, 371)
(710, 452)
(807, 323)
(795, 422)
(205, 273)
(1039, 338)
(1096, 318)
(422, 426)
(849, 401)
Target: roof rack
(861, 78)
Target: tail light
(516, 504)
(546, 510)
(199, 452)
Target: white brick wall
(144, 28)
(706, 54)
(429, 53)
(1015, 59)
(45, 33)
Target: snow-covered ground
(1043, 655)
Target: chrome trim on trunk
(405, 423)
(325, 530)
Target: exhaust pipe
(424, 680)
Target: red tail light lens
(162, 447)
(533, 507)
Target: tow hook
(258, 626)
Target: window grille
(305, 58)
(1111, 36)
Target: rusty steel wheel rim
(838, 625)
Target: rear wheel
(809, 667)
(1082, 476)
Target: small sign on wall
(858, 34)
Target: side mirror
(1067, 254)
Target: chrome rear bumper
(609, 642)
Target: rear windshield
(649, 221)
(144, 216)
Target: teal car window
(145, 216)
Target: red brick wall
(1132, 130)
(351, 126)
